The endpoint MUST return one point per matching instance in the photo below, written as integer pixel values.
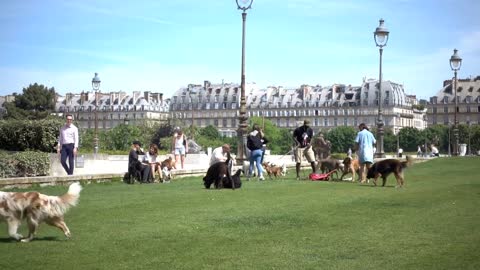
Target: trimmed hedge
(24, 135)
(24, 164)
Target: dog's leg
(384, 179)
(13, 225)
(59, 223)
(399, 178)
(32, 229)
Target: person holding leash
(303, 136)
(255, 143)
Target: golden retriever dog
(350, 165)
(36, 208)
(385, 167)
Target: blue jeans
(67, 152)
(256, 156)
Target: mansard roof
(468, 90)
(306, 95)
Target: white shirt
(68, 134)
(218, 156)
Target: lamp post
(381, 37)
(191, 93)
(96, 86)
(455, 64)
(244, 5)
(449, 140)
(469, 143)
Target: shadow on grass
(46, 238)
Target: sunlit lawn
(433, 223)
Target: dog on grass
(272, 169)
(216, 174)
(386, 167)
(328, 165)
(352, 166)
(36, 208)
(235, 180)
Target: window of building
(325, 122)
(445, 109)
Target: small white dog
(284, 170)
(36, 208)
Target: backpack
(254, 143)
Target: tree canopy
(36, 102)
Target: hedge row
(24, 135)
(22, 164)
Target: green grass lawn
(433, 223)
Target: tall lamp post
(96, 86)
(191, 93)
(455, 64)
(381, 37)
(244, 5)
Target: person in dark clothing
(255, 143)
(303, 136)
(135, 165)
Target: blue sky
(164, 45)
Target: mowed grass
(433, 223)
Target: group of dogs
(382, 168)
(35, 207)
(219, 173)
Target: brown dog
(328, 165)
(387, 166)
(352, 166)
(272, 170)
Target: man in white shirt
(68, 144)
(220, 154)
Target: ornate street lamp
(381, 37)
(243, 125)
(455, 64)
(96, 86)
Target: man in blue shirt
(364, 145)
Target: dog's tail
(408, 162)
(70, 198)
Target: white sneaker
(261, 178)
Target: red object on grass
(321, 176)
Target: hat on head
(306, 122)
(137, 143)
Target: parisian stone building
(441, 108)
(325, 106)
(114, 108)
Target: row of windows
(467, 109)
(112, 108)
(446, 99)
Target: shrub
(23, 164)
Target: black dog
(235, 179)
(216, 174)
(387, 166)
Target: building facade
(441, 108)
(325, 107)
(114, 108)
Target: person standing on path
(67, 146)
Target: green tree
(341, 138)
(36, 102)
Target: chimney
(146, 95)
